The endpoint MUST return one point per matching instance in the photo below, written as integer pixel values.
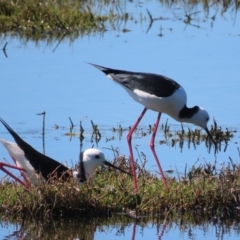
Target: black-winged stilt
(33, 165)
(160, 94)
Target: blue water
(134, 231)
(202, 56)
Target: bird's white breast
(170, 105)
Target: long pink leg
(23, 175)
(129, 140)
(152, 146)
(2, 165)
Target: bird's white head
(200, 118)
(93, 158)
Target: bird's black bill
(211, 137)
(121, 170)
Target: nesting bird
(35, 166)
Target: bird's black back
(41, 163)
(155, 84)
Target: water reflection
(118, 16)
(81, 228)
(123, 227)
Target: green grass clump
(50, 16)
(202, 189)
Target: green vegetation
(203, 189)
(71, 18)
(49, 17)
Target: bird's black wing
(41, 163)
(155, 84)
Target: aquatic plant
(203, 189)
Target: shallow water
(120, 228)
(55, 78)
(202, 56)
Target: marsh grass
(203, 189)
(59, 19)
(48, 16)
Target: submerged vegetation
(171, 136)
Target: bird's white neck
(89, 169)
